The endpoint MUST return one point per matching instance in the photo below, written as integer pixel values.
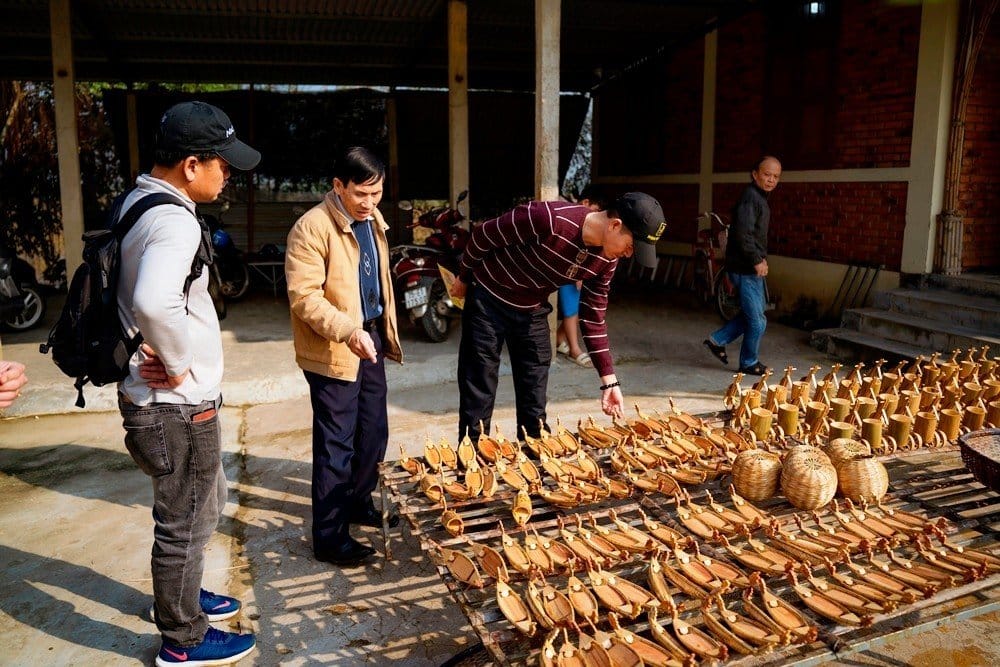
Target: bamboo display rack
(933, 484)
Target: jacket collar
(341, 219)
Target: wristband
(609, 385)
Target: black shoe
(718, 351)
(348, 553)
(367, 515)
(756, 369)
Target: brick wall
(876, 83)
(739, 94)
(979, 190)
(650, 121)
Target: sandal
(718, 351)
(756, 369)
(563, 348)
(582, 359)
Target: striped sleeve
(593, 309)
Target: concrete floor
(75, 512)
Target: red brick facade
(979, 192)
(869, 58)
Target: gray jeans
(180, 448)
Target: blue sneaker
(216, 607)
(217, 648)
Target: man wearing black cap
(510, 267)
(170, 400)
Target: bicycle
(711, 282)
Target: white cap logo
(230, 132)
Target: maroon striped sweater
(526, 253)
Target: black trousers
(488, 325)
(350, 433)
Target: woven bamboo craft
(756, 473)
(845, 449)
(862, 478)
(981, 454)
(808, 482)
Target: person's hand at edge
(362, 345)
(12, 378)
(155, 373)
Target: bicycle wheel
(727, 297)
(702, 278)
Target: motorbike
(230, 268)
(419, 287)
(22, 304)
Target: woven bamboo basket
(756, 473)
(808, 482)
(805, 452)
(863, 478)
(981, 454)
(845, 449)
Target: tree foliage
(29, 173)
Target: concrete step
(955, 308)
(970, 283)
(854, 345)
(917, 331)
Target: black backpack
(89, 342)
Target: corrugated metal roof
(350, 42)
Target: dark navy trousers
(350, 433)
(488, 325)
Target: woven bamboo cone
(845, 449)
(808, 483)
(862, 479)
(756, 473)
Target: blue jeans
(750, 323)
(180, 448)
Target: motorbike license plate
(415, 297)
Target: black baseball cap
(643, 216)
(199, 127)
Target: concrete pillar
(458, 99)
(132, 120)
(67, 142)
(708, 122)
(929, 146)
(392, 123)
(547, 24)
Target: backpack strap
(124, 225)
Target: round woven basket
(863, 478)
(981, 454)
(808, 482)
(845, 449)
(756, 473)
(805, 452)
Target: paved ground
(75, 524)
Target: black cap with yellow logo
(643, 216)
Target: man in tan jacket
(344, 327)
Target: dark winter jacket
(747, 245)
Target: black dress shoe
(347, 553)
(369, 516)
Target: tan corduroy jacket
(324, 291)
